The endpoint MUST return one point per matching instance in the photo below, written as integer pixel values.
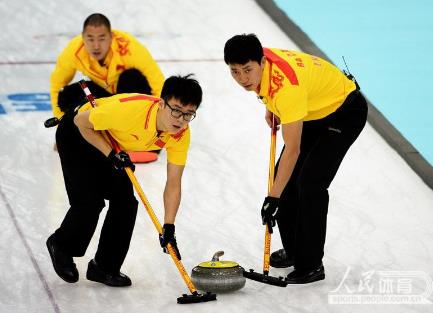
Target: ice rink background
(385, 44)
(380, 213)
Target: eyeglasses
(188, 117)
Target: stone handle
(216, 256)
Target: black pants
(89, 179)
(131, 80)
(304, 201)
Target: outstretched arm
(292, 144)
(146, 64)
(268, 118)
(172, 192)
(61, 76)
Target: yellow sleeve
(63, 73)
(291, 104)
(145, 63)
(178, 151)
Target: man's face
(174, 115)
(248, 75)
(97, 41)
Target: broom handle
(267, 249)
(143, 198)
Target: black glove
(121, 160)
(168, 236)
(269, 211)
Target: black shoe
(94, 273)
(279, 259)
(63, 263)
(306, 276)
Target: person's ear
(263, 62)
(161, 103)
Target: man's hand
(121, 160)
(168, 236)
(269, 212)
(268, 118)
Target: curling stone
(218, 276)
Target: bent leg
(119, 223)
(81, 171)
(319, 169)
(133, 80)
(72, 95)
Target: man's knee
(73, 95)
(132, 80)
(87, 206)
(70, 97)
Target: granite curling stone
(218, 276)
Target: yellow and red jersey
(131, 120)
(298, 86)
(125, 53)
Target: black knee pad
(73, 95)
(133, 80)
(70, 97)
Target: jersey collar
(264, 82)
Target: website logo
(383, 287)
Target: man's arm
(60, 77)
(146, 64)
(172, 192)
(93, 137)
(268, 118)
(292, 140)
(63, 73)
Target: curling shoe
(63, 263)
(304, 276)
(279, 259)
(94, 273)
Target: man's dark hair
(97, 19)
(184, 88)
(241, 49)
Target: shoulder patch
(122, 45)
(275, 83)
